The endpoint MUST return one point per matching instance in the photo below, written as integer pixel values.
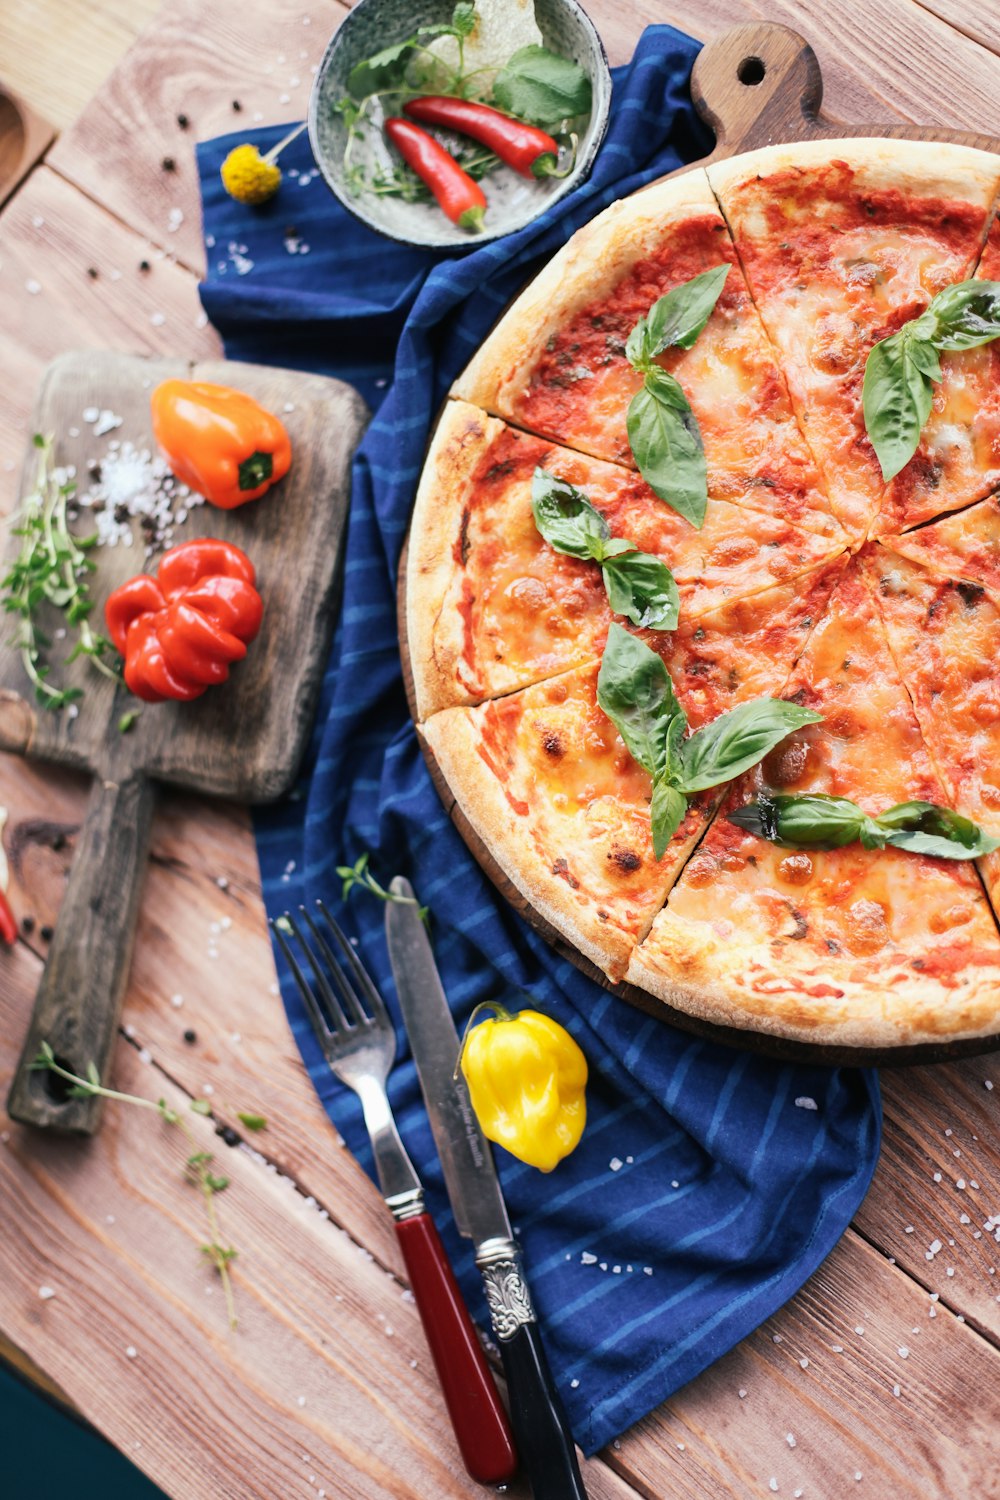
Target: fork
(358, 1040)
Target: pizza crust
(434, 638)
(928, 169)
(592, 262)
(893, 1008)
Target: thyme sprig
(53, 568)
(359, 874)
(198, 1166)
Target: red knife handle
(473, 1402)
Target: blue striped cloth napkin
(710, 1183)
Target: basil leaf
(666, 814)
(896, 397)
(538, 85)
(966, 315)
(811, 820)
(566, 518)
(635, 691)
(927, 828)
(385, 68)
(463, 18)
(642, 588)
(675, 320)
(666, 444)
(737, 740)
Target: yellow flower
(249, 177)
(526, 1078)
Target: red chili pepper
(179, 632)
(8, 923)
(462, 199)
(524, 147)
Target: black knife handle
(536, 1415)
(541, 1431)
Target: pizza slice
(556, 362)
(861, 947)
(542, 778)
(962, 546)
(945, 636)
(841, 243)
(491, 606)
(958, 460)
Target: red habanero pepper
(8, 923)
(461, 199)
(524, 147)
(180, 631)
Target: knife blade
(540, 1427)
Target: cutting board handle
(756, 84)
(79, 999)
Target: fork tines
(343, 997)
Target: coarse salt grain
(176, 1001)
(804, 1102)
(32, 286)
(772, 1484)
(804, 1364)
(790, 1439)
(903, 1352)
(615, 1164)
(45, 1292)
(742, 1393)
(131, 1352)
(157, 319)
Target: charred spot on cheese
(464, 545)
(502, 469)
(552, 744)
(801, 929)
(626, 860)
(970, 593)
(561, 868)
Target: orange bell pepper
(219, 441)
(179, 632)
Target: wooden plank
(327, 1381)
(877, 60)
(195, 59)
(57, 53)
(942, 1123)
(224, 976)
(50, 236)
(980, 22)
(807, 1404)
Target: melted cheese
(766, 920)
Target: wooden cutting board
(243, 739)
(754, 86)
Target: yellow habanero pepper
(219, 441)
(526, 1078)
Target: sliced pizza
(855, 946)
(491, 606)
(546, 784)
(958, 460)
(945, 636)
(556, 362)
(965, 545)
(841, 244)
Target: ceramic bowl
(513, 200)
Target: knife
(540, 1429)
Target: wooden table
(881, 1378)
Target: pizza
(742, 304)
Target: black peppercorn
(229, 1135)
(45, 933)
(28, 925)
(183, 121)
(190, 1036)
(168, 164)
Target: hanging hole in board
(57, 1088)
(751, 71)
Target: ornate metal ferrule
(507, 1293)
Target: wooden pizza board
(243, 739)
(756, 85)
